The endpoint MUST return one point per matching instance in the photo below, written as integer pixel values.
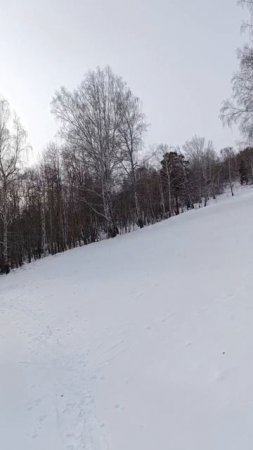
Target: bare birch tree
(203, 162)
(90, 118)
(239, 109)
(12, 146)
(131, 129)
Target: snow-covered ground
(144, 342)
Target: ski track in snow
(65, 381)
(144, 341)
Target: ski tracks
(58, 395)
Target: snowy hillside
(144, 342)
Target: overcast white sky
(178, 56)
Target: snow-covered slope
(144, 342)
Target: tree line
(98, 183)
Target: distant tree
(204, 168)
(131, 129)
(173, 173)
(247, 155)
(12, 146)
(243, 172)
(245, 164)
(229, 160)
(55, 206)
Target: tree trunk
(169, 189)
(5, 240)
(111, 230)
(6, 267)
(162, 198)
(43, 226)
(230, 178)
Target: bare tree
(164, 150)
(239, 109)
(204, 167)
(228, 155)
(247, 26)
(131, 129)
(195, 150)
(12, 146)
(90, 118)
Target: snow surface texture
(144, 342)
